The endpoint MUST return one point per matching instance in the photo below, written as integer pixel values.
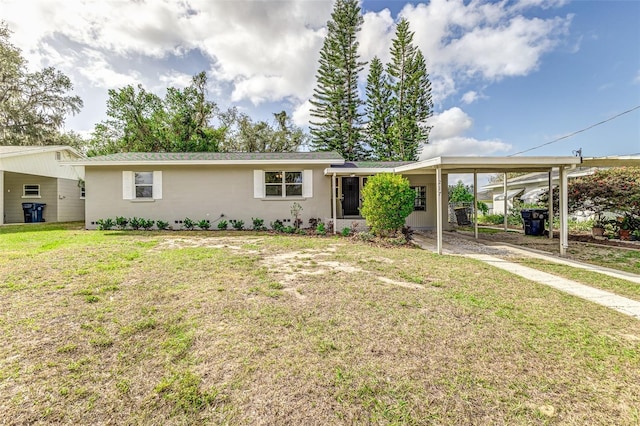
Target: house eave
(287, 162)
(357, 171)
(489, 164)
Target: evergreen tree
(335, 100)
(410, 103)
(378, 111)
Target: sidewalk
(487, 253)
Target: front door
(351, 196)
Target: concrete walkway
(476, 250)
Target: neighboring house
(528, 188)
(35, 174)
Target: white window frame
(421, 194)
(35, 188)
(260, 184)
(142, 185)
(129, 185)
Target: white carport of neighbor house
(489, 165)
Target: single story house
(36, 174)
(242, 186)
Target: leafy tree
(378, 111)
(244, 135)
(387, 202)
(461, 193)
(33, 106)
(614, 190)
(142, 121)
(336, 104)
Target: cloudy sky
(507, 76)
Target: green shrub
(321, 229)
(147, 224)
(189, 224)
(346, 231)
(492, 219)
(122, 222)
(258, 224)
(365, 236)
(162, 225)
(277, 226)
(288, 229)
(135, 223)
(204, 224)
(105, 224)
(238, 225)
(387, 201)
(223, 224)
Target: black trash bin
(461, 216)
(33, 212)
(27, 210)
(533, 220)
(38, 212)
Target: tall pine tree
(336, 104)
(408, 104)
(378, 112)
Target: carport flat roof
(463, 165)
(488, 164)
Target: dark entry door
(351, 196)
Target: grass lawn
(242, 328)
(594, 279)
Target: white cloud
(99, 72)
(449, 123)
(637, 79)
(446, 137)
(267, 51)
(489, 41)
(463, 146)
(470, 97)
(302, 114)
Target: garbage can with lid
(533, 220)
(38, 212)
(462, 218)
(27, 210)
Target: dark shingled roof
(216, 156)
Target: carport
(492, 165)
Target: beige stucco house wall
(232, 186)
(38, 174)
(201, 192)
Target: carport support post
(333, 203)
(504, 193)
(439, 210)
(1, 197)
(550, 204)
(564, 212)
(475, 203)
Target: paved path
(487, 254)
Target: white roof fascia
(199, 162)
(30, 150)
(492, 163)
(357, 171)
